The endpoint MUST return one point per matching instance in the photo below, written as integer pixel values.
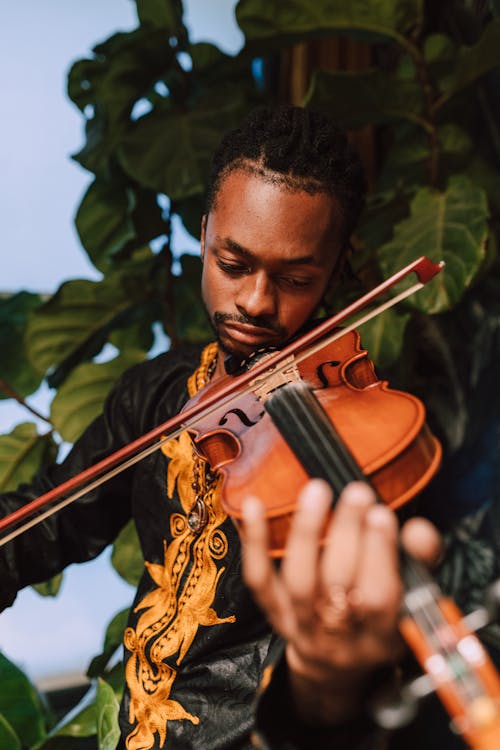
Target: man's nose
(257, 296)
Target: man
(285, 193)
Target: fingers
(361, 556)
(344, 539)
(258, 569)
(378, 584)
(422, 540)
(303, 548)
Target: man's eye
(234, 268)
(295, 282)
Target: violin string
(433, 624)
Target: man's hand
(336, 604)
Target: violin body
(383, 428)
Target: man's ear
(202, 236)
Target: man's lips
(248, 334)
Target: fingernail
(379, 516)
(358, 494)
(252, 509)
(316, 493)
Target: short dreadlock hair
(296, 147)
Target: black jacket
(196, 646)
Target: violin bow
(68, 492)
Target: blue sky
(41, 188)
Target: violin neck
(309, 432)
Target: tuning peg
(488, 613)
(392, 708)
(492, 601)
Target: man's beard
(279, 334)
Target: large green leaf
(73, 326)
(190, 317)
(22, 453)
(450, 226)
(8, 738)
(20, 703)
(108, 730)
(473, 62)
(383, 337)
(103, 220)
(139, 335)
(261, 19)
(370, 97)
(125, 68)
(191, 211)
(80, 398)
(112, 640)
(127, 557)
(407, 161)
(113, 218)
(78, 723)
(486, 175)
(50, 587)
(166, 14)
(171, 152)
(15, 368)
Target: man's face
(268, 255)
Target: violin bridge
(286, 372)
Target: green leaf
(103, 220)
(473, 62)
(486, 175)
(20, 703)
(79, 722)
(450, 226)
(190, 316)
(383, 337)
(383, 210)
(165, 14)
(191, 211)
(22, 453)
(113, 220)
(80, 398)
(172, 152)
(50, 587)
(124, 70)
(108, 730)
(139, 335)
(127, 558)
(112, 641)
(261, 19)
(370, 97)
(15, 368)
(8, 738)
(74, 324)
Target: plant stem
(430, 96)
(11, 393)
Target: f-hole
(320, 373)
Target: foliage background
(415, 85)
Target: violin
(327, 416)
(316, 408)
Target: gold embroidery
(186, 587)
